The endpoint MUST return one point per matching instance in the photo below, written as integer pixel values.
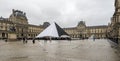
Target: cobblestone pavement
(75, 50)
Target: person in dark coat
(33, 41)
(6, 40)
(23, 40)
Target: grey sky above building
(67, 13)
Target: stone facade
(113, 31)
(82, 31)
(16, 26)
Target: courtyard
(62, 50)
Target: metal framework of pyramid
(53, 30)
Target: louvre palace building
(17, 27)
(82, 31)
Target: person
(26, 40)
(33, 41)
(93, 38)
(23, 40)
(6, 40)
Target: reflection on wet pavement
(76, 50)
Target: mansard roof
(100, 26)
(19, 13)
(70, 28)
(81, 23)
(35, 25)
(1, 18)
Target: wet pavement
(76, 50)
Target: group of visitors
(25, 40)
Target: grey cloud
(50, 12)
(67, 13)
(96, 12)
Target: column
(119, 18)
(119, 37)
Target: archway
(80, 36)
(3, 35)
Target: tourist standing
(23, 39)
(33, 41)
(93, 38)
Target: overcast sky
(67, 13)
